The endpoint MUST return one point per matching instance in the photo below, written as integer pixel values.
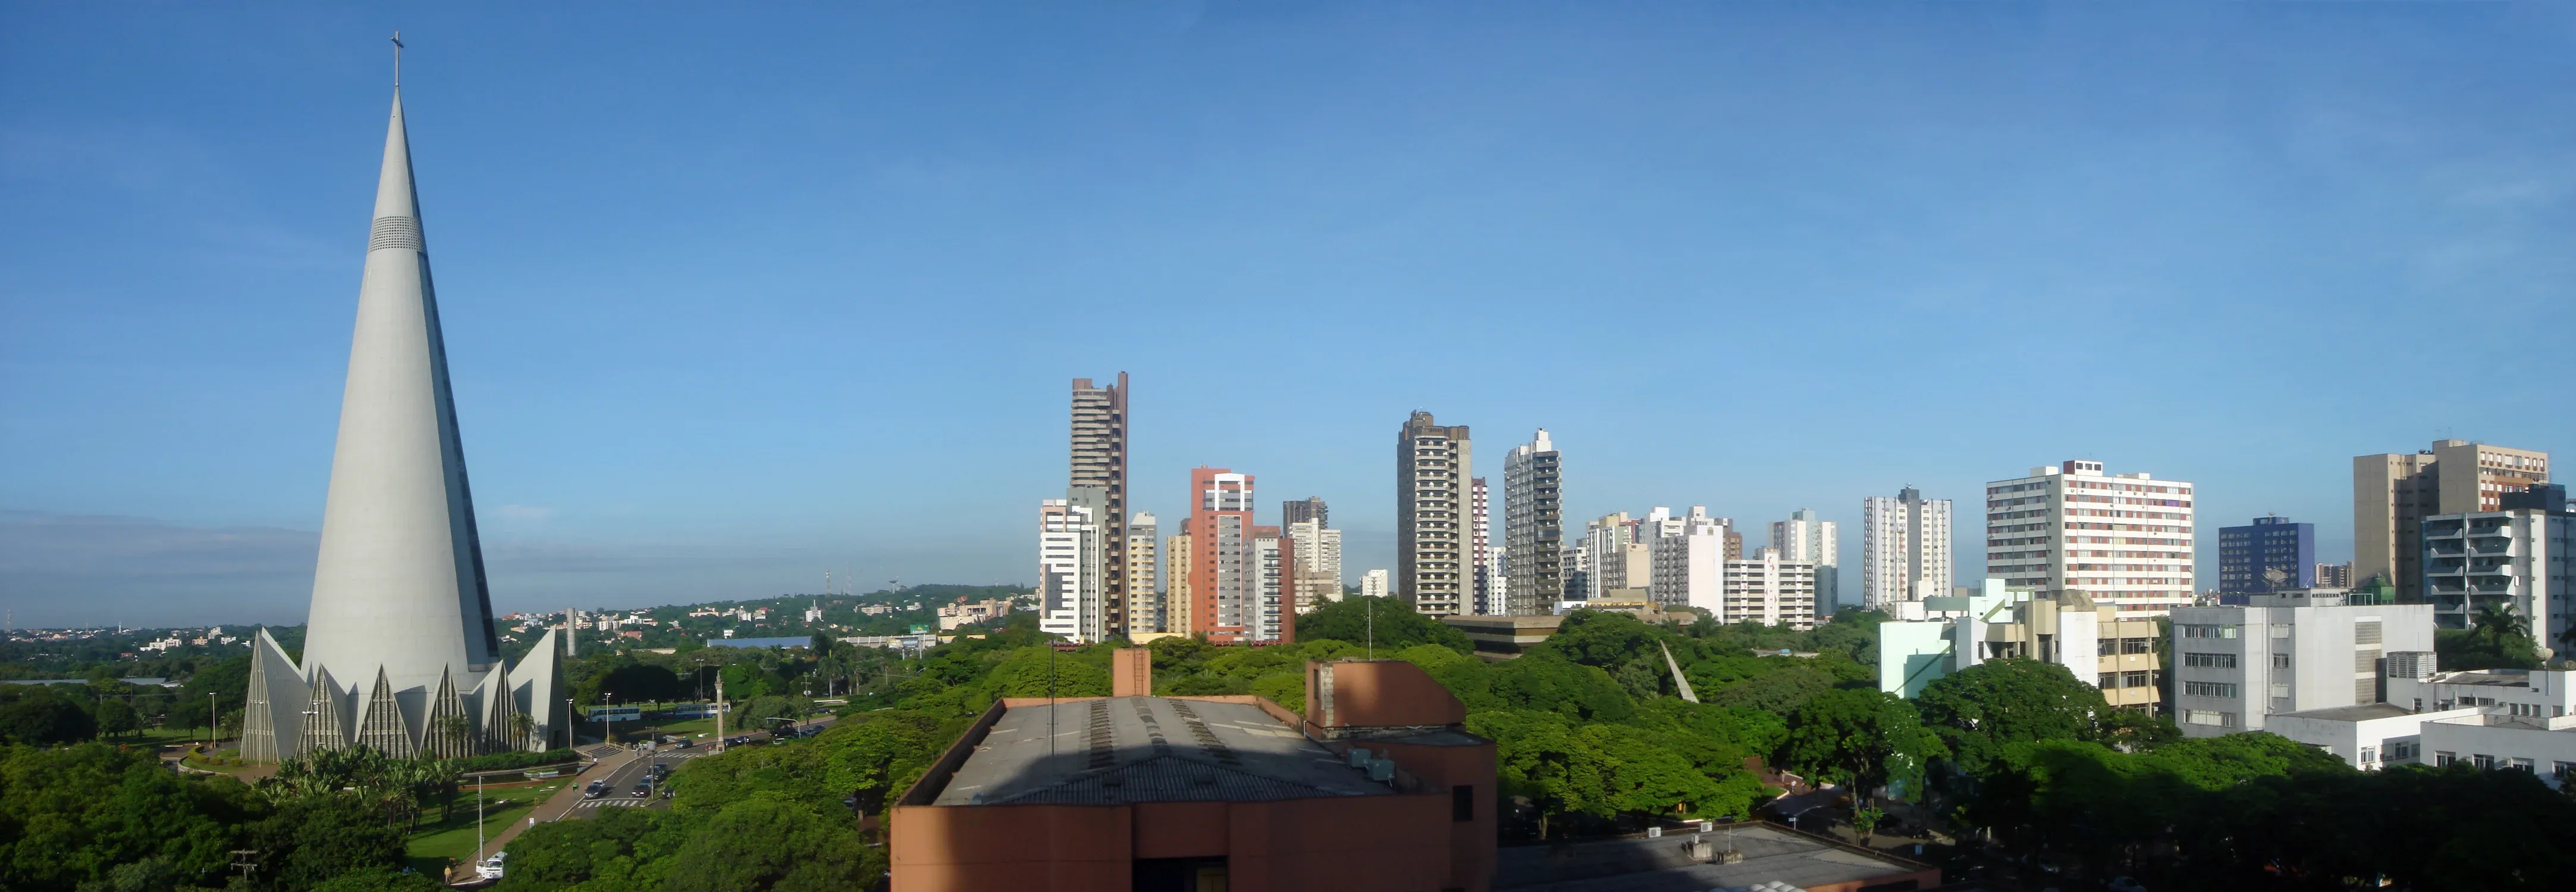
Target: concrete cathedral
(400, 653)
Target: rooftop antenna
(398, 48)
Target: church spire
(399, 583)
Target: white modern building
(2517, 558)
(400, 651)
(1768, 589)
(1072, 585)
(1904, 548)
(2499, 719)
(2295, 652)
(1319, 563)
(1533, 527)
(1808, 538)
(1373, 584)
(2122, 540)
(1274, 559)
(1484, 598)
(1687, 559)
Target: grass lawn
(439, 843)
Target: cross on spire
(398, 48)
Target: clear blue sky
(733, 298)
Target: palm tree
(2498, 620)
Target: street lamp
(210, 721)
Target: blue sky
(735, 297)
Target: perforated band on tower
(395, 232)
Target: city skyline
(693, 366)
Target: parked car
(490, 869)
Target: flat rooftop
(2363, 712)
(1638, 864)
(1114, 751)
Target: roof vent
(1359, 756)
(1381, 769)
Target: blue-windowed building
(2247, 554)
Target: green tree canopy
(1861, 737)
(1980, 709)
(1397, 625)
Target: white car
(490, 869)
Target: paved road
(621, 770)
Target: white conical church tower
(400, 653)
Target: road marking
(607, 803)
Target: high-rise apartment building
(1533, 528)
(1688, 559)
(1619, 558)
(2521, 557)
(1769, 589)
(1376, 584)
(1180, 609)
(1433, 464)
(2287, 653)
(1225, 564)
(1904, 548)
(1305, 509)
(2334, 575)
(1576, 560)
(1806, 537)
(1100, 462)
(1072, 567)
(2271, 554)
(1271, 614)
(1480, 530)
(2392, 494)
(1319, 563)
(2124, 540)
(1144, 576)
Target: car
(644, 790)
(490, 869)
(685, 743)
(596, 789)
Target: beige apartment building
(2102, 646)
(2393, 493)
(1178, 616)
(1144, 577)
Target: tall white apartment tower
(1319, 563)
(1144, 575)
(1533, 527)
(1904, 548)
(1433, 464)
(1072, 587)
(2123, 540)
(1807, 538)
(1486, 597)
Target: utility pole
(478, 825)
(720, 710)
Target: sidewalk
(551, 810)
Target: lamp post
(210, 721)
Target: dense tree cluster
(97, 818)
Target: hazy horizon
(732, 298)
